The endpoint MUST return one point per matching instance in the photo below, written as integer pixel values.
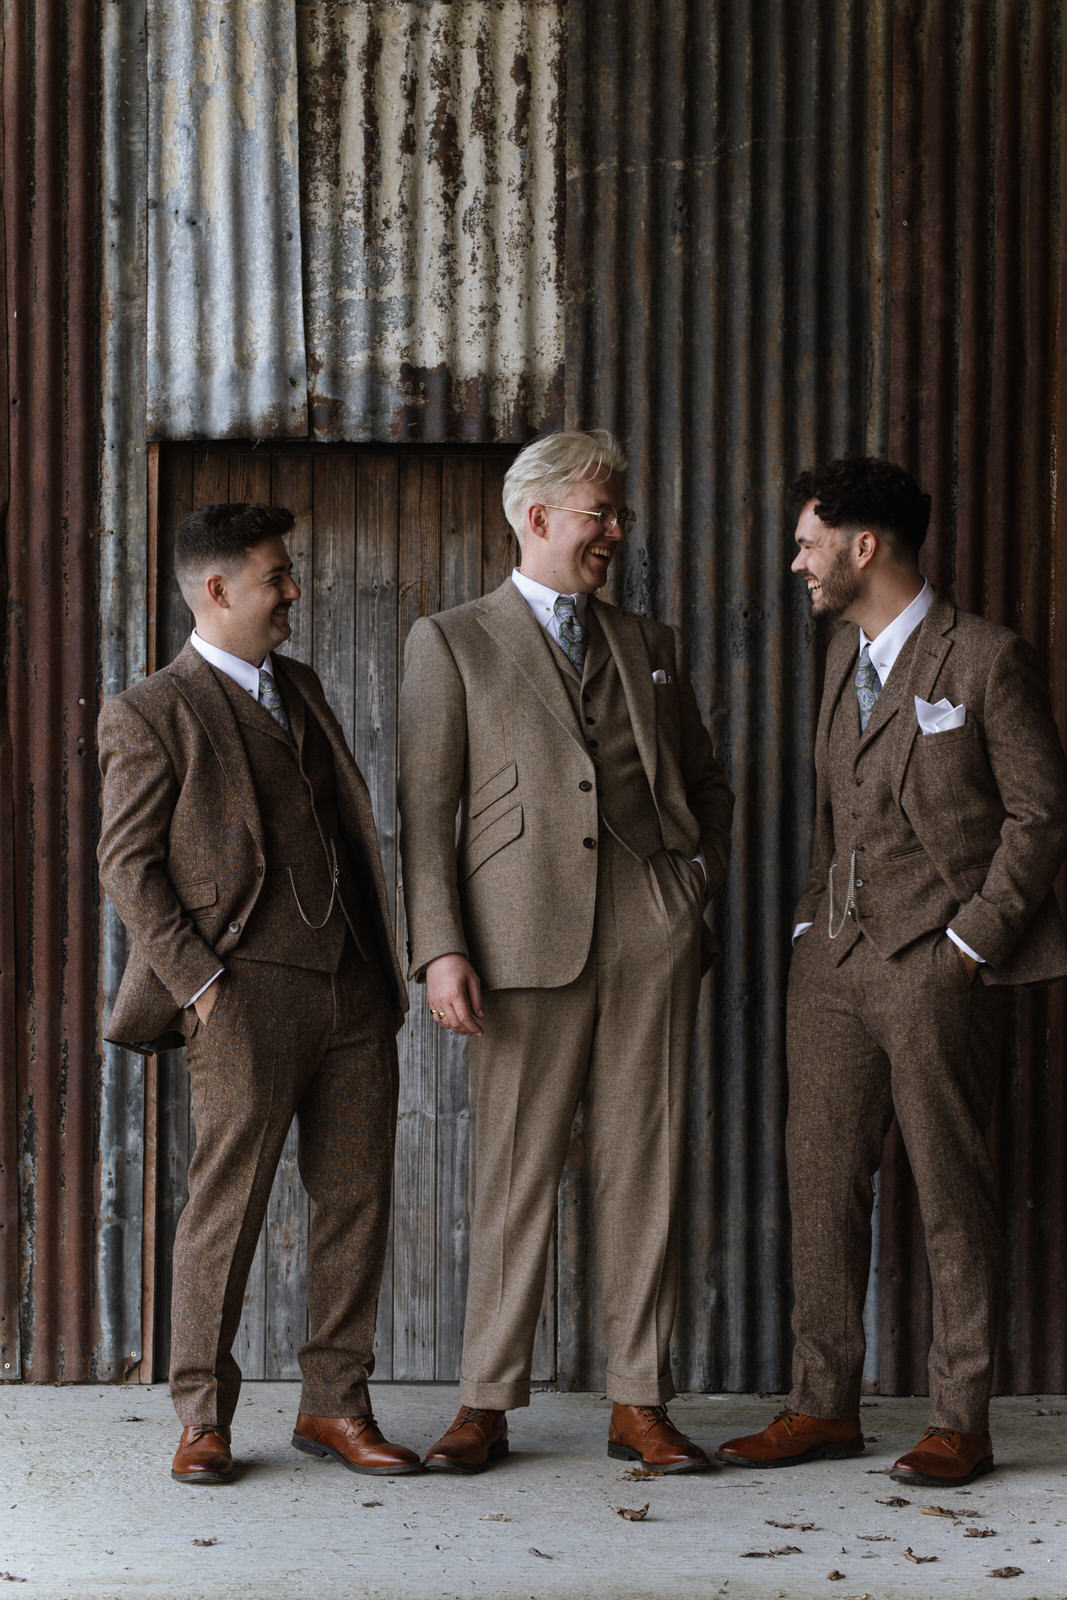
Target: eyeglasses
(606, 517)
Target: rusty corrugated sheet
(49, 911)
(225, 311)
(432, 182)
(819, 229)
(979, 354)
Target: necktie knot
(571, 631)
(868, 686)
(271, 700)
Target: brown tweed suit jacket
(987, 801)
(182, 848)
(488, 733)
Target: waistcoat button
(585, 786)
(235, 927)
(590, 844)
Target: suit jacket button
(585, 786)
(590, 844)
(235, 927)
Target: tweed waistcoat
(897, 889)
(624, 798)
(297, 794)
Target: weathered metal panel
(50, 249)
(432, 183)
(977, 406)
(225, 302)
(127, 1216)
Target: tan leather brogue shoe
(647, 1434)
(944, 1458)
(203, 1456)
(793, 1438)
(356, 1442)
(476, 1438)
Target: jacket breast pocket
(478, 849)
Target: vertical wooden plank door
(382, 536)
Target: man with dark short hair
(239, 848)
(940, 826)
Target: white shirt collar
(541, 600)
(889, 643)
(242, 672)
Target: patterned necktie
(271, 700)
(868, 686)
(571, 632)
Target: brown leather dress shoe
(793, 1438)
(356, 1442)
(476, 1438)
(944, 1458)
(203, 1456)
(647, 1434)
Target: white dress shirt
(247, 676)
(884, 651)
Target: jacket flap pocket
(501, 831)
(500, 783)
(194, 896)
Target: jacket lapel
(840, 670)
(931, 649)
(199, 687)
(626, 641)
(505, 616)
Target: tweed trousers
(909, 1035)
(283, 1042)
(619, 1038)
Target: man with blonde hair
(561, 929)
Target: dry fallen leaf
(797, 1527)
(938, 1511)
(369, 1503)
(494, 1516)
(631, 1513)
(834, 1575)
(1006, 1572)
(535, 1552)
(979, 1533)
(9, 1577)
(205, 1542)
(636, 1474)
(785, 1550)
(909, 1555)
(876, 1538)
(896, 1501)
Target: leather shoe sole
(818, 1452)
(496, 1452)
(311, 1448)
(202, 1477)
(625, 1452)
(928, 1481)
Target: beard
(839, 588)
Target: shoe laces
(654, 1414)
(474, 1414)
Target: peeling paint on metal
(431, 172)
(225, 303)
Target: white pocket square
(659, 676)
(939, 718)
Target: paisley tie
(571, 632)
(868, 686)
(271, 700)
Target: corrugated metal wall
(48, 1032)
(789, 231)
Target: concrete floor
(87, 1509)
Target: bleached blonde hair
(544, 469)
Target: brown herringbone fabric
(963, 829)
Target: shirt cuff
(206, 986)
(958, 942)
(801, 927)
(698, 861)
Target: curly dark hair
(857, 492)
(221, 537)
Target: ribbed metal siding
(432, 183)
(225, 303)
(821, 228)
(47, 915)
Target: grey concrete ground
(87, 1509)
